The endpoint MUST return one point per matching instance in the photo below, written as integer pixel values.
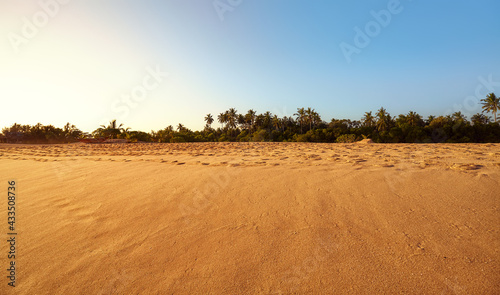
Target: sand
(254, 218)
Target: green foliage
(305, 126)
(41, 134)
(260, 135)
(491, 104)
(346, 138)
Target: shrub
(346, 138)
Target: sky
(154, 63)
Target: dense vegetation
(305, 126)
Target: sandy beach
(253, 218)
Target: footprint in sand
(385, 165)
(465, 166)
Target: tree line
(306, 125)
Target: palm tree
(316, 119)
(312, 117)
(68, 128)
(222, 118)
(125, 133)
(209, 119)
(491, 104)
(180, 127)
(276, 122)
(267, 120)
(250, 118)
(49, 132)
(71, 132)
(413, 119)
(480, 119)
(241, 120)
(368, 119)
(112, 125)
(301, 114)
(382, 122)
(309, 116)
(458, 117)
(287, 122)
(112, 129)
(232, 117)
(430, 119)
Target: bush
(260, 135)
(346, 138)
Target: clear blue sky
(266, 55)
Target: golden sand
(254, 218)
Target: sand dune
(255, 218)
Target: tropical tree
(288, 123)
(241, 120)
(429, 119)
(250, 119)
(267, 123)
(232, 117)
(414, 119)
(491, 104)
(480, 119)
(458, 118)
(34, 133)
(112, 130)
(383, 118)
(125, 134)
(209, 119)
(277, 123)
(309, 117)
(312, 117)
(222, 118)
(368, 120)
(71, 132)
(259, 121)
(301, 117)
